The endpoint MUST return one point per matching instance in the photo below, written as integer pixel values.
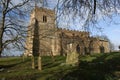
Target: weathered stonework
(45, 38)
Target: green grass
(90, 67)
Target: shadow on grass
(101, 68)
(10, 65)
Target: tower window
(44, 18)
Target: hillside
(91, 67)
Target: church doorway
(78, 48)
(102, 49)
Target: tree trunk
(0, 42)
(1, 33)
(0, 53)
(52, 56)
(39, 63)
(33, 62)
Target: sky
(113, 31)
(110, 27)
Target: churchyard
(89, 67)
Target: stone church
(45, 38)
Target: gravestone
(72, 58)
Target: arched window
(44, 18)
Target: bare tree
(88, 11)
(12, 27)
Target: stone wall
(45, 39)
(41, 32)
(97, 44)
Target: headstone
(72, 58)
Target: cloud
(116, 31)
(16, 1)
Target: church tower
(41, 32)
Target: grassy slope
(94, 67)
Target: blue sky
(113, 32)
(110, 27)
